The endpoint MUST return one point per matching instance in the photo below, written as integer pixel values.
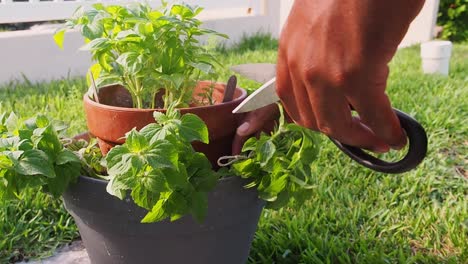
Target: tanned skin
(334, 55)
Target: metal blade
(264, 96)
(260, 72)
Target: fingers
(293, 95)
(376, 112)
(285, 88)
(254, 122)
(379, 116)
(333, 117)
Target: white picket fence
(33, 53)
(34, 10)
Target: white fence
(33, 53)
(35, 10)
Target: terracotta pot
(110, 119)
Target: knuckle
(293, 63)
(310, 73)
(342, 78)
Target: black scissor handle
(417, 149)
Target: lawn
(354, 215)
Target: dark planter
(112, 232)
(110, 119)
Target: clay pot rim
(237, 100)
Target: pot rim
(233, 102)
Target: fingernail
(382, 149)
(398, 147)
(243, 129)
(402, 142)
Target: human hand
(334, 54)
(255, 122)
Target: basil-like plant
(157, 166)
(279, 165)
(33, 156)
(160, 168)
(146, 50)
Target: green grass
(354, 215)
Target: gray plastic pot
(112, 232)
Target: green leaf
(192, 128)
(204, 180)
(246, 168)
(160, 117)
(199, 206)
(12, 122)
(95, 44)
(67, 156)
(118, 185)
(281, 201)
(154, 181)
(182, 10)
(174, 80)
(114, 156)
(47, 140)
(144, 197)
(131, 61)
(59, 37)
(250, 144)
(136, 142)
(93, 30)
(42, 121)
(203, 67)
(156, 214)
(149, 131)
(126, 33)
(162, 155)
(5, 162)
(265, 151)
(99, 6)
(176, 178)
(177, 205)
(276, 185)
(10, 142)
(123, 166)
(34, 162)
(167, 132)
(66, 174)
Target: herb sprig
(279, 165)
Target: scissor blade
(260, 72)
(264, 96)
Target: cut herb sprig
(279, 165)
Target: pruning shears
(266, 94)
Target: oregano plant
(160, 169)
(32, 155)
(148, 51)
(157, 165)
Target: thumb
(254, 122)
